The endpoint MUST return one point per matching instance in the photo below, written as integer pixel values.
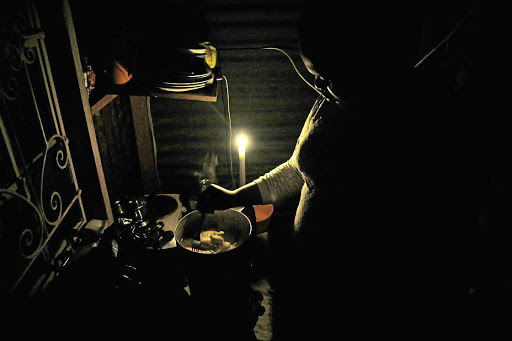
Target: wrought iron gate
(40, 200)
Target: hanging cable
(230, 137)
(445, 39)
(293, 64)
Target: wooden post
(146, 147)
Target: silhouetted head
(358, 49)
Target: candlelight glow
(242, 142)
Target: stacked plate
(177, 82)
(179, 70)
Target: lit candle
(242, 141)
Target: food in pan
(214, 240)
(210, 241)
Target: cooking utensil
(236, 227)
(197, 235)
(196, 246)
(224, 272)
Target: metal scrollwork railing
(39, 195)
(61, 160)
(29, 236)
(33, 237)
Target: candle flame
(242, 142)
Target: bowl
(263, 214)
(234, 227)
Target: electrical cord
(293, 64)
(445, 39)
(230, 137)
(312, 86)
(220, 78)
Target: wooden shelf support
(146, 148)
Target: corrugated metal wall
(268, 101)
(118, 148)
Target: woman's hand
(215, 197)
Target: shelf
(98, 101)
(101, 103)
(206, 94)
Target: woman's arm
(281, 183)
(215, 197)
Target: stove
(167, 209)
(134, 272)
(145, 222)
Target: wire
(445, 39)
(309, 84)
(293, 64)
(230, 137)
